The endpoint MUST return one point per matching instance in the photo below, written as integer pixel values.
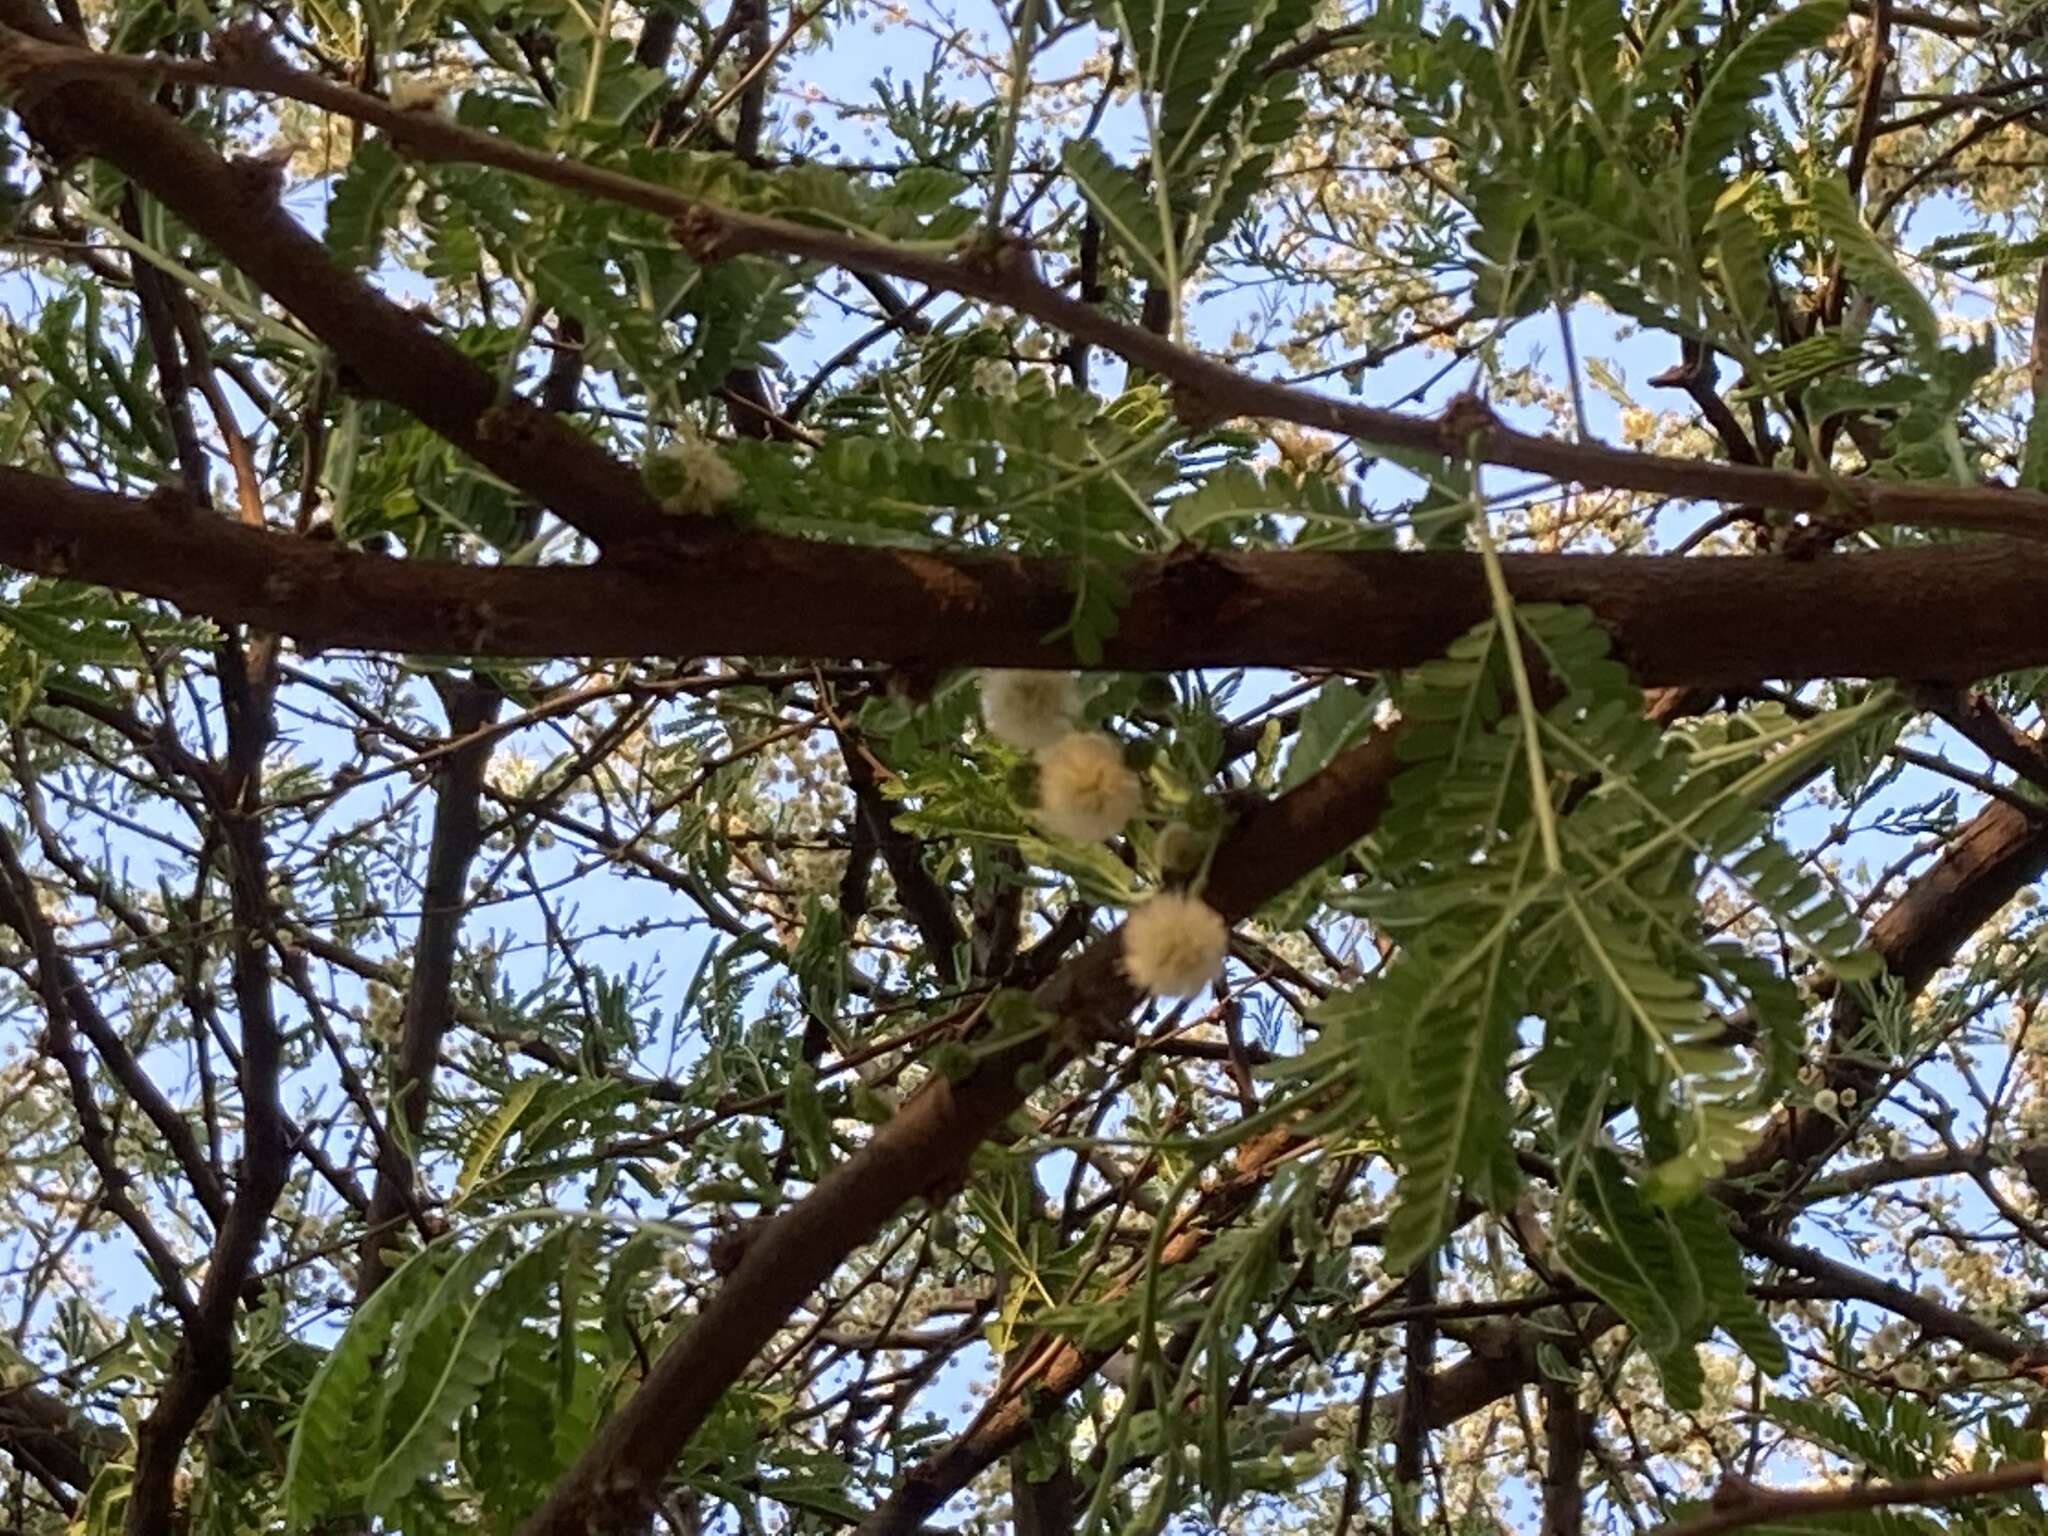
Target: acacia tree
(1030, 798)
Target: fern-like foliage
(1218, 112)
(1674, 1273)
(328, 1454)
(1718, 123)
(1542, 873)
(382, 1417)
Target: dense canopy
(1111, 765)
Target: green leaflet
(1339, 714)
(452, 1359)
(328, 1453)
(1816, 357)
(535, 1123)
(76, 626)
(509, 1450)
(1120, 203)
(1218, 67)
(2034, 464)
(1241, 169)
(1607, 951)
(1877, 1448)
(1717, 123)
(1456, 1110)
(423, 1341)
(491, 1134)
(1674, 1274)
(1702, 1227)
(1194, 50)
(1867, 261)
(739, 308)
(1649, 1242)
(363, 202)
(1744, 269)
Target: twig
(1207, 389)
(1753, 1505)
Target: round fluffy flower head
(1085, 792)
(420, 94)
(1174, 945)
(692, 478)
(1029, 709)
(995, 378)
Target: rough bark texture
(1954, 611)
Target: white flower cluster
(418, 93)
(995, 378)
(1174, 945)
(693, 479)
(1086, 791)
(1029, 710)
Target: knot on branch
(703, 234)
(261, 177)
(1196, 408)
(51, 556)
(1002, 258)
(476, 618)
(172, 503)
(509, 422)
(246, 48)
(1464, 418)
(283, 589)
(1196, 585)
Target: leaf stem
(1525, 695)
(1020, 82)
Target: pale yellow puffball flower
(1174, 945)
(1029, 710)
(1085, 790)
(694, 479)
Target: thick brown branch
(1957, 611)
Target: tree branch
(922, 1151)
(926, 902)
(1960, 611)
(1982, 866)
(472, 705)
(1849, 1282)
(387, 351)
(1757, 1506)
(1207, 389)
